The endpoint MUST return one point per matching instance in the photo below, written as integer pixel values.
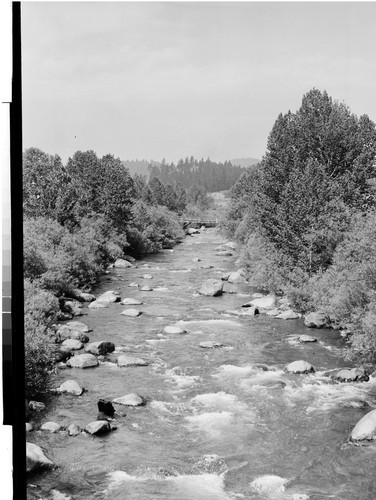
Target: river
(214, 421)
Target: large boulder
(71, 387)
(133, 313)
(130, 301)
(72, 345)
(316, 320)
(100, 348)
(211, 287)
(72, 307)
(83, 361)
(51, 427)
(122, 263)
(129, 400)
(237, 277)
(109, 296)
(65, 332)
(266, 302)
(350, 375)
(289, 314)
(36, 459)
(299, 367)
(127, 361)
(98, 427)
(365, 429)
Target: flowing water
(215, 420)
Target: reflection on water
(221, 423)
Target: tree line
(306, 217)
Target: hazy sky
(154, 80)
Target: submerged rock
(365, 429)
(83, 361)
(210, 344)
(212, 288)
(134, 313)
(224, 253)
(299, 367)
(129, 400)
(128, 361)
(98, 427)
(130, 301)
(36, 459)
(174, 330)
(71, 387)
(316, 320)
(100, 348)
(353, 403)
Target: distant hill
(244, 162)
(139, 166)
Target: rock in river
(122, 263)
(71, 387)
(109, 296)
(134, 313)
(36, 459)
(266, 302)
(211, 288)
(98, 427)
(127, 361)
(73, 430)
(130, 301)
(174, 329)
(51, 427)
(146, 288)
(305, 339)
(351, 375)
(289, 314)
(129, 400)
(210, 344)
(83, 361)
(72, 344)
(365, 429)
(100, 348)
(316, 320)
(299, 367)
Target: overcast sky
(154, 80)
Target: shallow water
(214, 422)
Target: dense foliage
(210, 175)
(306, 210)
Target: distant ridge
(139, 166)
(245, 162)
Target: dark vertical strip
(16, 409)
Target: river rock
(78, 325)
(212, 288)
(316, 320)
(174, 330)
(63, 316)
(51, 427)
(36, 459)
(289, 314)
(225, 276)
(106, 407)
(230, 244)
(146, 289)
(365, 429)
(37, 406)
(266, 302)
(97, 304)
(237, 277)
(127, 361)
(83, 361)
(122, 263)
(147, 277)
(272, 312)
(72, 344)
(134, 313)
(109, 297)
(65, 332)
(305, 339)
(130, 301)
(224, 253)
(74, 430)
(71, 387)
(192, 230)
(29, 427)
(351, 375)
(353, 403)
(100, 348)
(86, 297)
(299, 367)
(98, 427)
(210, 344)
(136, 285)
(129, 400)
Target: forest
(306, 219)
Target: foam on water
(225, 322)
(221, 401)
(189, 487)
(228, 371)
(181, 379)
(269, 485)
(213, 423)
